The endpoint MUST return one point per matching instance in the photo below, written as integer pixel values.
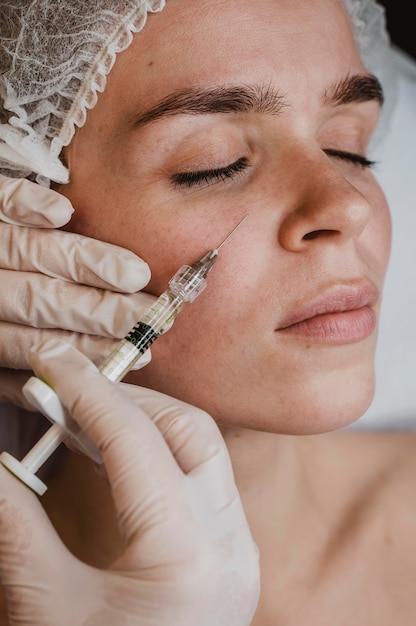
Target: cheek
(205, 353)
(153, 230)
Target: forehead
(198, 43)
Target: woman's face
(219, 109)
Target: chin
(315, 408)
(322, 411)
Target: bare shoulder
(368, 567)
(389, 455)
(380, 514)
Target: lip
(340, 314)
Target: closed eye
(206, 177)
(351, 157)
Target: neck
(271, 474)
(294, 491)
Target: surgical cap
(55, 56)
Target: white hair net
(54, 59)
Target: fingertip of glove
(52, 356)
(24, 203)
(128, 272)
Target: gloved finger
(212, 495)
(198, 447)
(192, 435)
(44, 302)
(28, 204)
(17, 341)
(71, 257)
(138, 461)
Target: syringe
(184, 286)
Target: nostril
(319, 233)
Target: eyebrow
(356, 88)
(255, 98)
(218, 99)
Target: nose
(325, 205)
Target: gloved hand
(188, 557)
(58, 284)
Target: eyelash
(356, 159)
(193, 179)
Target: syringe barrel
(153, 323)
(158, 318)
(120, 361)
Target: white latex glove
(189, 557)
(58, 284)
